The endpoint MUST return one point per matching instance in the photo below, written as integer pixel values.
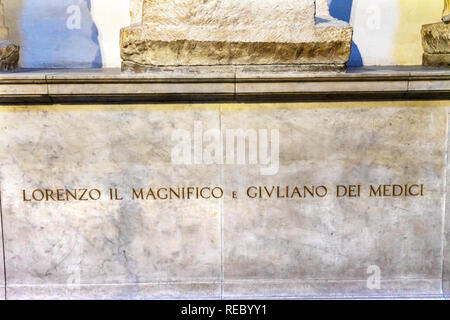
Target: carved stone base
(436, 60)
(331, 46)
(9, 55)
(436, 44)
(235, 33)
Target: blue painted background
(342, 9)
(50, 44)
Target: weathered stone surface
(322, 8)
(194, 32)
(229, 16)
(436, 59)
(136, 11)
(436, 38)
(9, 55)
(436, 44)
(9, 52)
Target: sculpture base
(9, 55)
(133, 67)
(326, 46)
(436, 44)
(436, 60)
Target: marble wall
(231, 247)
(446, 269)
(326, 246)
(2, 270)
(113, 249)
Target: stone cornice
(222, 84)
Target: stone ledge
(271, 289)
(225, 83)
(174, 290)
(334, 289)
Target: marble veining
(268, 247)
(105, 242)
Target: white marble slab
(106, 249)
(230, 248)
(313, 247)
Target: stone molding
(222, 84)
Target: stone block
(436, 59)
(9, 55)
(436, 44)
(194, 32)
